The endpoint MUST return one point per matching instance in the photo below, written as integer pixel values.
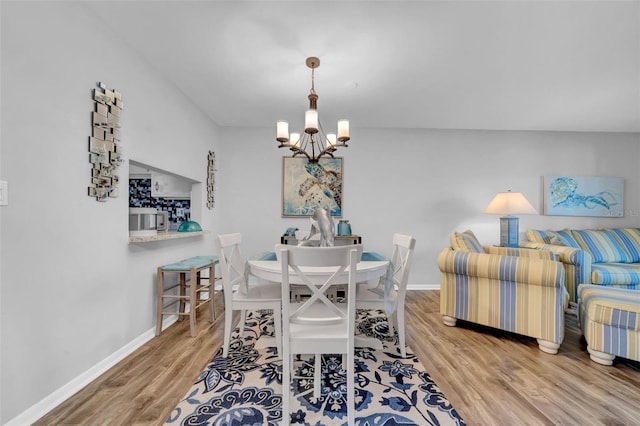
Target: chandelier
(313, 143)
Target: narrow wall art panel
(307, 186)
(105, 153)
(583, 196)
(211, 179)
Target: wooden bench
(190, 290)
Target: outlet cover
(4, 193)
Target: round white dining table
(270, 270)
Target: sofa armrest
(526, 270)
(574, 256)
(523, 252)
(577, 264)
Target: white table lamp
(508, 204)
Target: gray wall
(74, 292)
(427, 183)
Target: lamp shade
(507, 203)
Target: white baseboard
(423, 286)
(35, 412)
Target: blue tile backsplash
(140, 196)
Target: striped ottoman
(610, 321)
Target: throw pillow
(566, 236)
(536, 236)
(466, 241)
(559, 238)
(603, 244)
(553, 239)
(630, 237)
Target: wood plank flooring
(490, 377)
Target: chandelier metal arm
(328, 151)
(296, 151)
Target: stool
(192, 266)
(610, 321)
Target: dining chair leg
(228, 318)
(243, 319)
(351, 391)
(399, 321)
(317, 376)
(392, 322)
(212, 299)
(277, 323)
(287, 363)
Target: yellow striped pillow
(466, 241)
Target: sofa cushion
(466, 241)
(615, 307)
(630, 237)
(625, 275)
(552, 237)
(603, 244)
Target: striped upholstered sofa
(517, 290)
(606, 257)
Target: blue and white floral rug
(246, 387)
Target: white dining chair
(317, 325)
(239, 295)
(372, 296)
(299, 291)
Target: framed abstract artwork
(307, 186)
(583, 196)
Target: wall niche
(154, 188)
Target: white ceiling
(512, 65)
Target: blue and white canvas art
(583, 196)
(307, 186)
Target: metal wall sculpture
(105, 153)
(211, 179)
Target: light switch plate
(4, 193)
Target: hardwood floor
(490, 377)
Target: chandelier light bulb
(331, 139)
(343, 130)
(295, 139)
(311, 121)
(282, 131)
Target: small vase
(344, 228)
